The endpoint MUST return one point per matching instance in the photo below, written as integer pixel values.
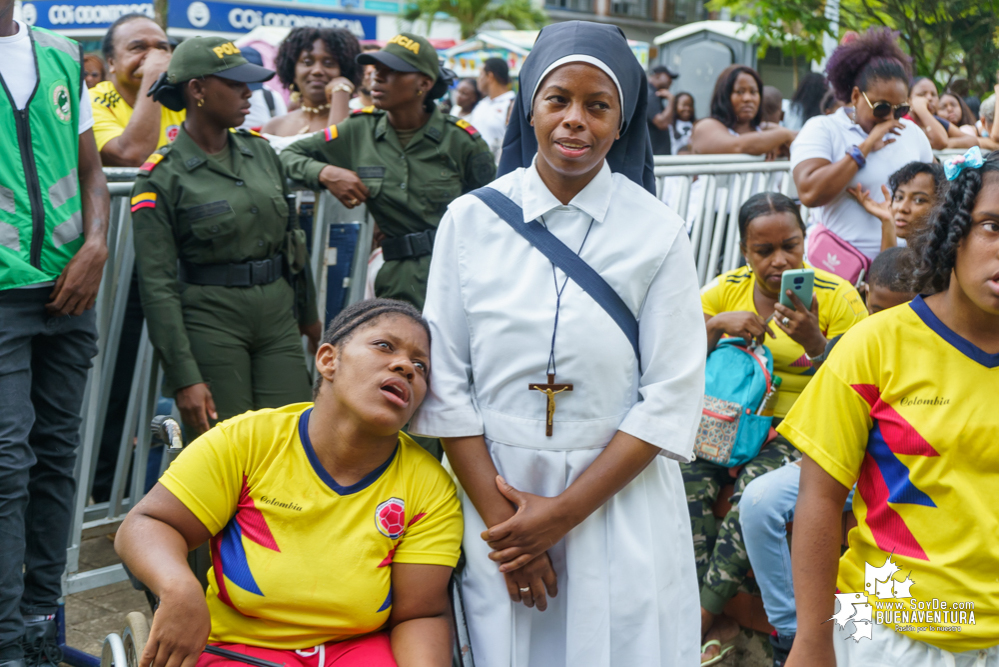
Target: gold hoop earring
(201, 102)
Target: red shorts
(368, 651)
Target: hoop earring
(201, 102)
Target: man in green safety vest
(54, 207)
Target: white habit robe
(627, 588)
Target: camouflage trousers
(719, 551)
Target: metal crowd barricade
(729, 180)
(128, 486)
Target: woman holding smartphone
(745, 303)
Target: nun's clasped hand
(537, 526)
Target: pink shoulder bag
(831, 253)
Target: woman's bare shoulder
(285, 125)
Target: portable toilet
(699, 51)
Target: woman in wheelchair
(333, 536)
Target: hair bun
(873, 54)
(169, 95)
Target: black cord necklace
(551, 388)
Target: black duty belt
(245, 274)
(408, 246)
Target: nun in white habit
(565, 438)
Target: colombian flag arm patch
(465, 125)
(145, 200)
(151, 162)
(330, 133)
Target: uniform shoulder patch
(252, 133)
(144, 200)
(151, 162)
(331, 133)
(465, 125)
(362, 110)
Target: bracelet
(343, 87)
(857, 155)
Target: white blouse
(491, 306)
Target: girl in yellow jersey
(332, 534)
(905, 408)
(741, 303)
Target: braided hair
(936, 246)
(356, 316)
(339, 42)
(766, 203)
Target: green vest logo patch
(61, 102)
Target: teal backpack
(735, 381)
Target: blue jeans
(766, 508)
(43, 372)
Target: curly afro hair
(909, 172)
(341, 43)
(937, 244)
(874, 54)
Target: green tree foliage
(473, 14)
(946, 38)
(795, 27)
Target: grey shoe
(41, 644)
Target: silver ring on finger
(785, 321)
(525, 589)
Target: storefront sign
(212, 16)
(58, 15)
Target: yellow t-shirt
(905, 408)
(298, 560)
(840, 307)
(111, 115)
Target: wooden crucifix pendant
(549, 390)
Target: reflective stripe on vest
(41, 219)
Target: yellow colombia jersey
(298, 560)
(840, 307)
(111, 114)
(905, 408)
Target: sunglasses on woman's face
(882, 109)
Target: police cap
(213, 56)
(405, 52)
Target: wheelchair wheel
(113, 652)
(134, 638)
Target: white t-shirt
(17, 67)
(829, 137)
(680, 133)
(489, 118)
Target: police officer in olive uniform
(219, 252)
(402, 157)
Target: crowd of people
(601, 504)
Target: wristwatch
(818, 359)
(830, 344)
(857, 155)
